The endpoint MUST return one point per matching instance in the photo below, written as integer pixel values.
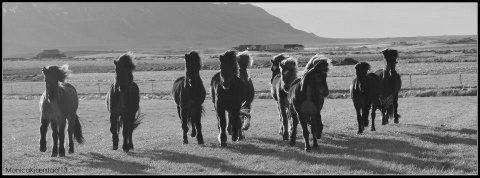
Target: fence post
(98, 88)
(31, 90)
(11, 89)
(152, 87)
(410, 81)
(460, 74)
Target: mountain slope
(76, 25)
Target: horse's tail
(138, 118)
(77, 130)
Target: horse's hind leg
(43, 133)
(53, 125)
(61, 137)
(384, 116)
(374, 108)
(113, 129)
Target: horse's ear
(186, 56)
(115, 62)
(44, 70)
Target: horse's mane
(278, 58)
(362, 66)
(315, 60)
(60, 72)
(322, 65)
(126, 61)
(194, 57)
(244, 60)
(290, 64)
(230, 57)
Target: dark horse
(189, 94)
(279, 93)
(364, 92)
(390, 86)
(228, 95)
(244, 61)
(306, 97)
(123, 102)
(59, 103)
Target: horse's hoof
(70, 151)
(200, 142)
(359, 133)
(193, 134)
(315, 146)
(223, 144)
(292, 143)
(185, 142)
(61, 152)
(131, 146)
(373, 129)
(43, 148)
(126, 148)
(115, 147)
(54, 154)
(308, 149)
(396, 122)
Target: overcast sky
(378, 20)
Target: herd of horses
(299, 98)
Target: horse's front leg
(55, 138)
(384, 116)
(71, 126)
(293, 126)
(373, 114)
(222, 136)
(43, 133)
(197, 116)
(184, 119)
(303, 122)
(284, 115)
(61, 137)
(359, 121)
(114, 130)
(395, 108)
(236, 125)
(126, 129)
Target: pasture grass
(436, 136)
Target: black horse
(228, 95)
(364, 92)
(189, 94)
(123, 102)
(244, 61)
(390, 86)
(306, 97)
(279, 93)
(59, 103)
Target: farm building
(270, 47)
(293, 47)
(49, 53)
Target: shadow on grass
(98, 161)
(363, 147)
(441, 129)
(354, 164)
(214, 163)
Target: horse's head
(390, 57)
(275, 63)
(317, 76)
(288, 70)
(228, 68)
(193, 64)
(53, 75)
(123, 68)
(361, 70)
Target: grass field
(435, 136)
